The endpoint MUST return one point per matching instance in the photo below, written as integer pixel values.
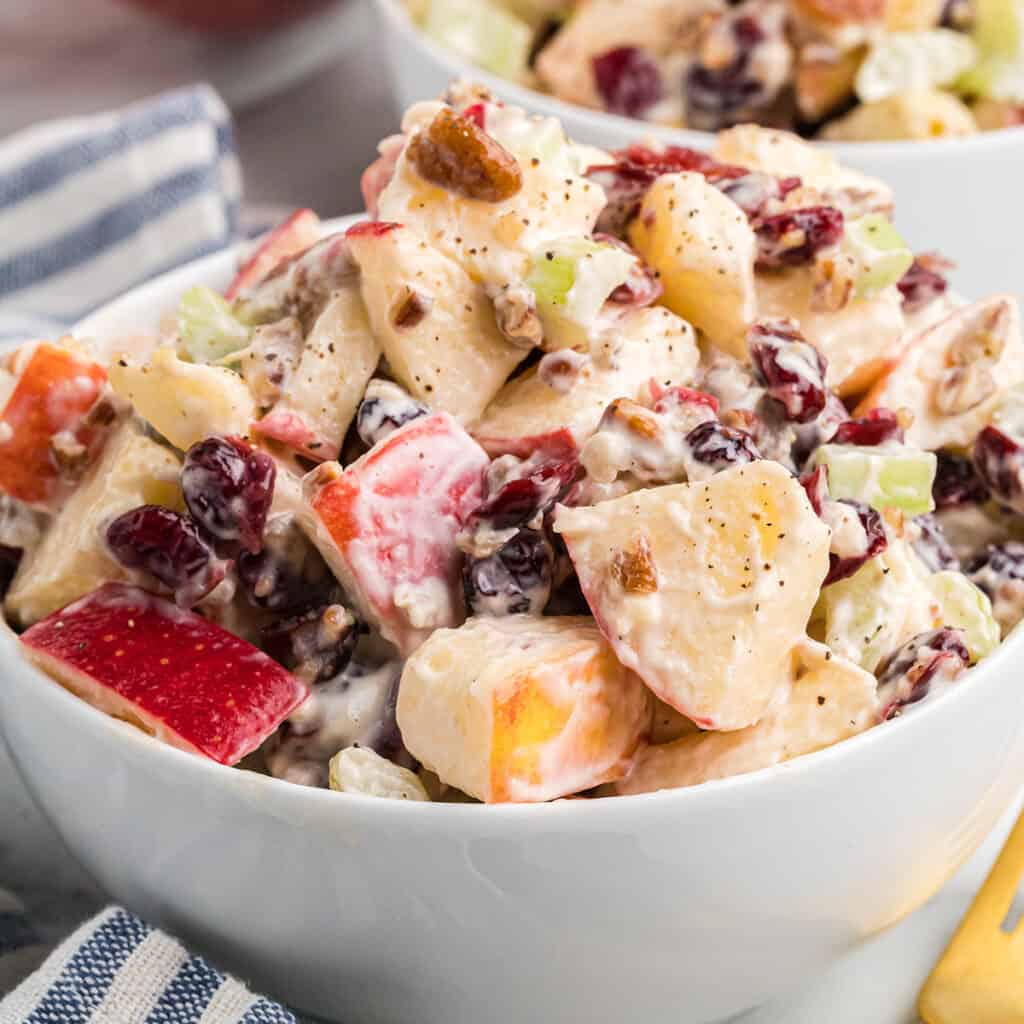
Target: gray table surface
(306, 145)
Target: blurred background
(305, 79)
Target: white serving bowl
(957, 196)
(676, 907)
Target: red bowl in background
(223, 16)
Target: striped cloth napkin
(117, 970)
(90, 207)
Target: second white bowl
(961, 197)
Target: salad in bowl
(842, 70)
(564, 474)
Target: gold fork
(980, 978)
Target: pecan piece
(635, 570)
(455, 153)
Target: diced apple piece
(482, 31)
(494, 241)
(184, 401)
(170, 672)
(857, 354)
(783, 154)
(701, 244)
(207, 327)
(924, 114)
(522, 708)
(905, 62)
(435, 324)
(868, 615)
(53, 392)
(828, 699)
(298, 232)
(387, 525)
(881, 254)
(338, 359)
(953, 375)
(702, 589)
(889, 475)
(73, 558)
(532, 409)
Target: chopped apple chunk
(701, 244)
(522, 708)
(338, 359)
(435, 324)
(387, 525)
(827, 699)
(296, 233)
(954, 374)
(185, 402)
(174, 674)
(703, 589)
(73, 557)
(47, 437)
(567, 393)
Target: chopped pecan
(515, 312)
(455, 153)
(634, 570)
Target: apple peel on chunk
(826, 699)
(703, 589)
(52, 396)
(296, 233)
(386, 525)
(175, 675)
(522, 708)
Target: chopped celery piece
(208, 328)
(886, 476)
(571, 279)
(966, 607)
(868, 615)
(879, 249)
(903, 62)
(998, 35)
(482, 31)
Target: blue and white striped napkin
(117, 970)
(90, 207)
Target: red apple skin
(293, 235)
(230, 15)
(391, 519)
(54, 391)
(179, 677)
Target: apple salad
(851, 70)
(565, 473)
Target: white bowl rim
(995, 667)
(539, 102)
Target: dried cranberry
(666, 399)
(810, 436)
(957, 482)
(847, 555)
(999, 461)
(793, 238)
(287, 575)
(998, 562)
(529, 490)
(754, 191)
(923, 282)
(315, 644)
(170, 548)
(908, 674)
(628, 80)
(932, 547)
(515, 579)
(716, 445)
(228, 486)
(790, 368)
(877, 427)
(384, 409)
(477, 113)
